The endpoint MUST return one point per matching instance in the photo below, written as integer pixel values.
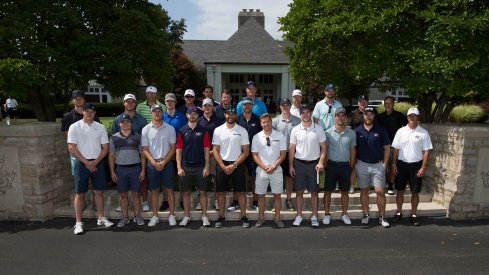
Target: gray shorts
(305, 176)
(275, 180)
(370, 173)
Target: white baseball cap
(189, 92)
(296, 92)
(207, 101)
(413, 111)
(151, 89)
(129, 96)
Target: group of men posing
(204, 138)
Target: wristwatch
(235, 166)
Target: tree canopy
(48, 48)
(436, 49)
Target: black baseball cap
(305, 107)
(285, 101)
(87, 106)
(363, 97)
(126, 117)
(77, 93)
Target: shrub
(467, 114)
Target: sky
(218, 19)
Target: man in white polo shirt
(412, 145)
(89, 144)
(158, 140)
(268, 149)
(307, 154)
(231, 148)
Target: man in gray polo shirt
(341, 142)
(284, 123)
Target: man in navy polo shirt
(373, 151)
(193, 163)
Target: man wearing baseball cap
(355, 117)
(189, 97)
(259, 108)
(412, 145)
(324, 110)
(137, 120)
(144, 108)
(296, 102)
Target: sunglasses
(189, 96)
(268, 141)
(329, 110)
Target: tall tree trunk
(425, 102)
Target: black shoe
(246, 222)
(164, 206)
(397, 218)
(254, 205)
(414, 220)
(219, 222)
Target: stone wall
(35, 173)
(458, 171)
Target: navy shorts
(82, 175)
(337, 173)
(406, 172)
(237, 178)
(285, 165)
(251, 165)
(128, 178)
(156, 177)
(193, 175)
(306, 176)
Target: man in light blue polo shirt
(259, 108)
(324, 111)
(342, 142)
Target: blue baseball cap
(192, 109)
(251, 82)
(231, 109)
(247, 100)
(126, 117)
(330, 86)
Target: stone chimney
(245, 14)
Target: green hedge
(467, 114)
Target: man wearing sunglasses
(324, 110)
(268, 150)
(189, 97)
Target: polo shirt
(285, 126)
(370, 144)
(411, 143)
(126, 149)
(252, 126)
(220, 111)
(72, 117)
(88, 138)
(259, 108)
(295, 111)
(183, 109)
(340, 143)
(11, 103)
(307, 141)
(325, 113)
(392, 122)
(230, 141)
(210, 124)
(178, 120)
(192, 142)
(268, 154)
(137, 125)
(144, 109)
(355, 118)
(158, 140)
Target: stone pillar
(458, 171)
(35, 173)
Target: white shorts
(370, 173)
(275, 180)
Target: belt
(339, 162)
(91, 159)
(129, 165)
(371, 162)
(307, 161)
(228, 162)
(159, 160)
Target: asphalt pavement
(437, 246)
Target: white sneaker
(297, 221)
(184, 221)
(103, 221)
(352, 189)
(172, 221)
(314, 221)
(145, 206)
(384, 222)
(205, 221)
(153, 221)
(78, 228)
(327, 219)
(346, 219)
(118, 209)
(365, 219)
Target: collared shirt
(325, 113)
(370, 144)
(210, 124)
(230, 141)
(72, 117)
(158, 140)
(252, 126)
(183, 109)
(392, 122)
(11, 103)
(411, 143)
(88, 138)
(295, 111)
(340, 143)
(192, 142)
(259, 108)
(126, 149)
(178, 120)
(144, 109)
(307, 141)
(220, 112)
(285, 126)
(137, 125)
(268, 151)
